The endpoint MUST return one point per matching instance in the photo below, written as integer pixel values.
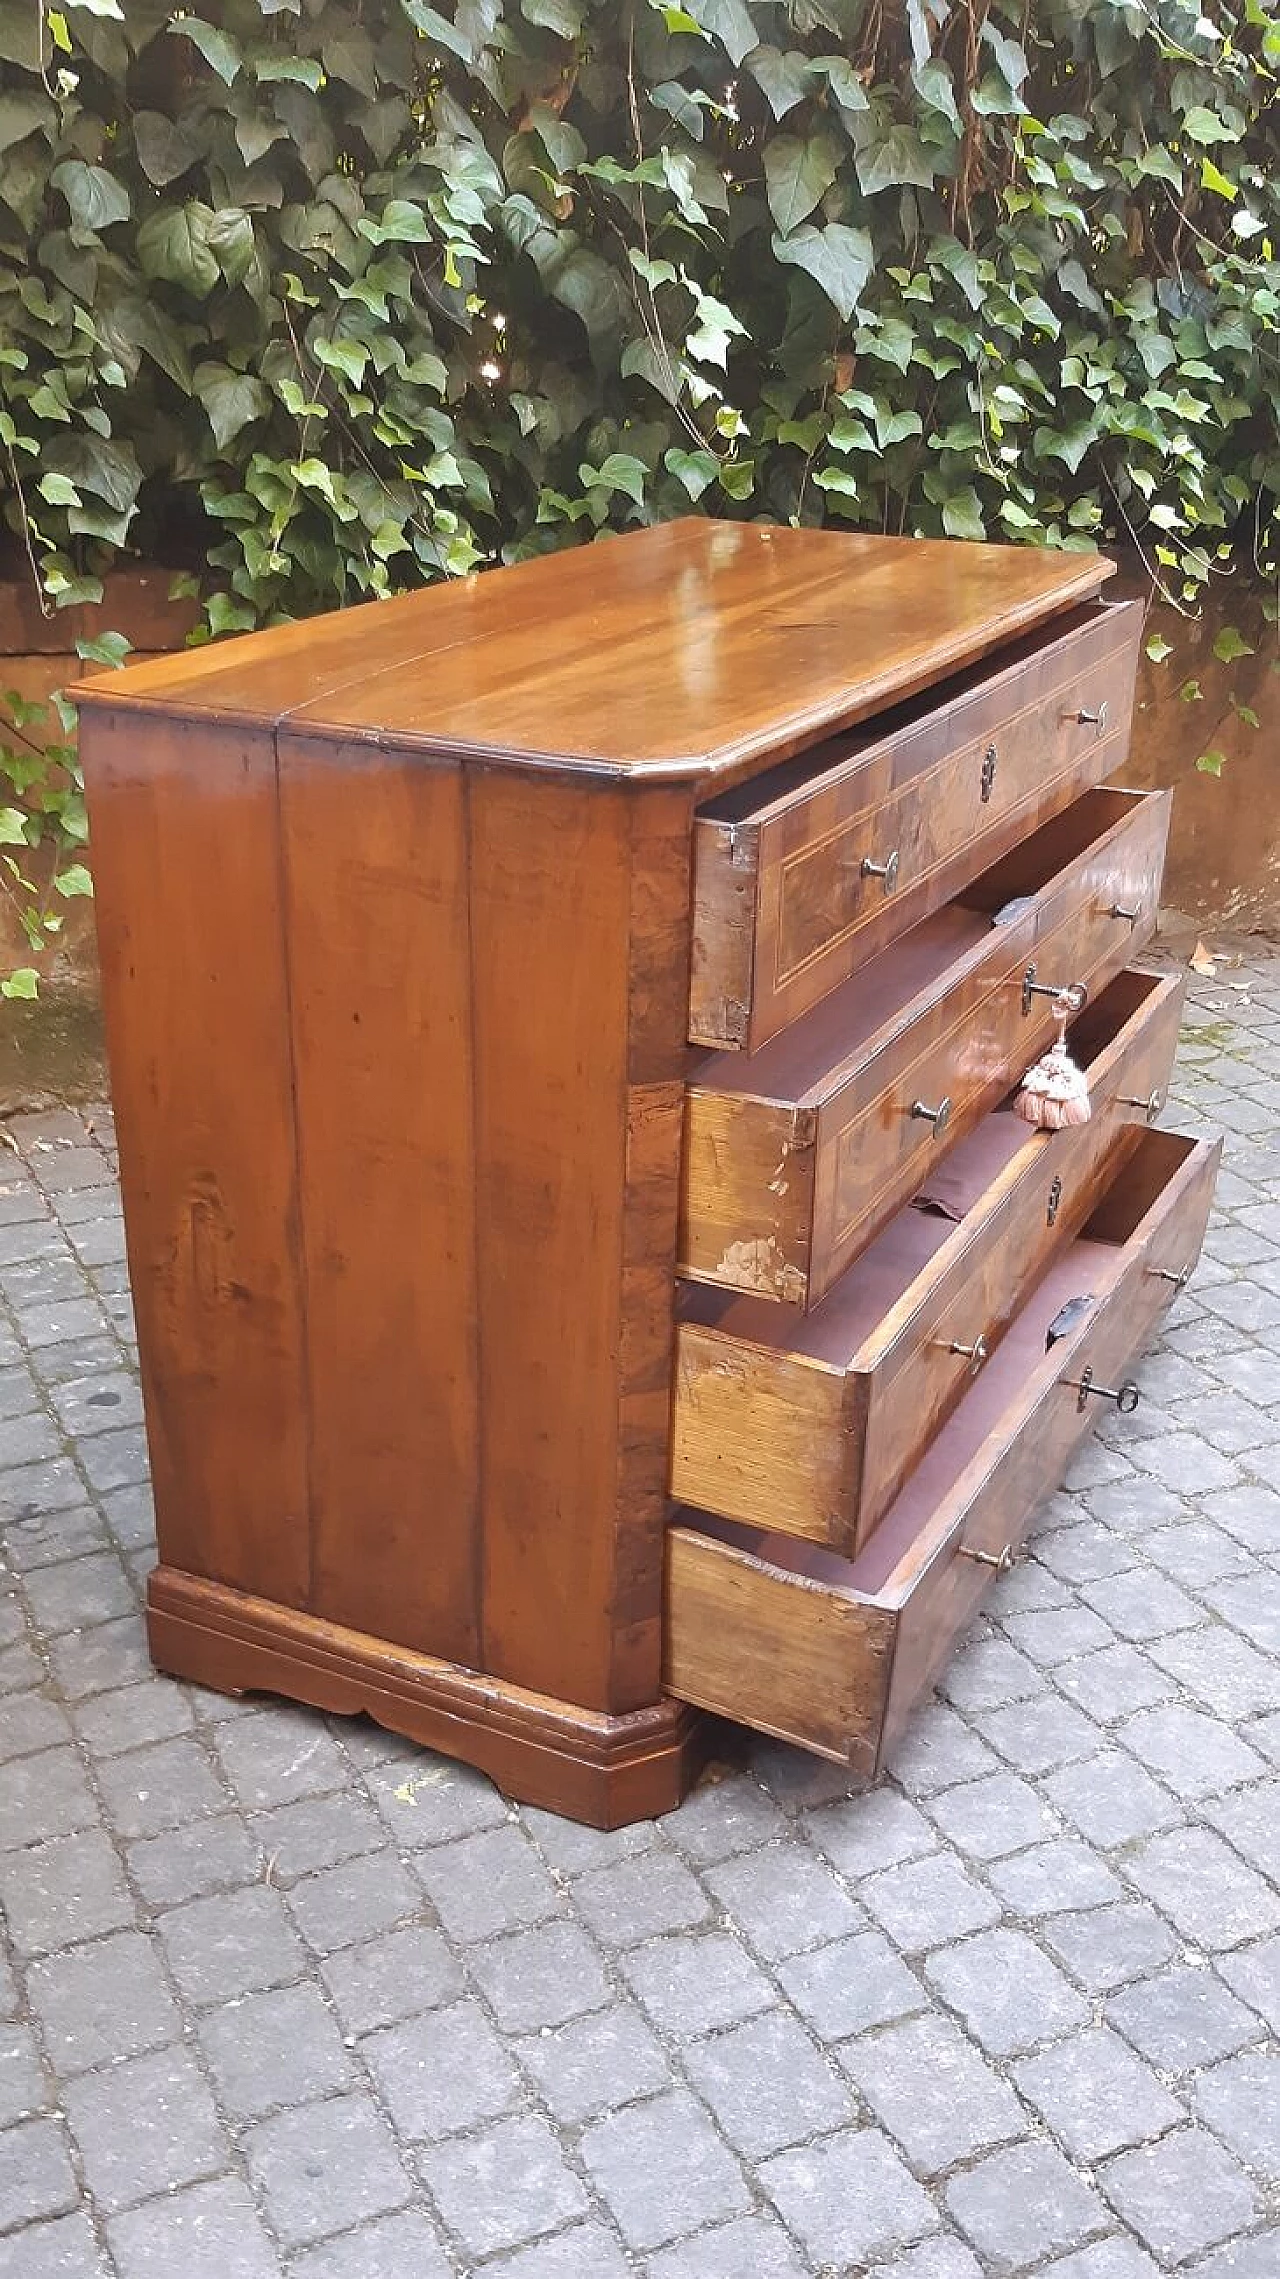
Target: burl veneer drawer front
(805, 873)
(831, 1653)
(809, 1426)
(795, 1156)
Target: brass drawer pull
(989, 759)
(976, 1353)
(1074, 993)
(1167, 1274)
(1150, 1107)
(1130, 914)
(1098, 719)
(887, 870)
(1003, 1561)
(1126, 1396)
(939, 1117)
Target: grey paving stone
(848, 2198)
(491, 1882)
(661, 2170)
(63, 2249)
(1020, 2204)
(1193, 1753)
(588, 2251)
(164, 1786)
(1052, 1878)
(1114, 2258)
(50, 1536)
(930, 2090)
(750, 2244)
(571, 1848)
(208, 2231)
(723, 1817)
(184, 1863)
(1008, 1994)
(318, 1832)
(928, 1902)
(636, 1899)
(112, 1654)
(1194, 1552)
(783, 1901)
(1096, 2096)
(30, 1439)
(1205, 1890)
(1251, 1601)
(594, 2063)
(24, 2091)
(273, 2049)
(985, 1819)
(942, 2257)
(767, 2085)
(1038, 1736)
(130, 1515)
(239, 1942)
(1251, 1513)
(406, 2246)
(434, 1801)
(1240, 2102)
(540, 1977)
(1182, 2018)
(36, 2176)
(30, 1724)
(1114, 1683)
(1106, 1947)
(42, 1796)
(398, 1976)
(1254, 1973)
(1182, 2195)
(324, 2168)
(275, 1759)
(145, 2126)
(988, 1672)
(1110, 1799)
(938, 1749)
(505, 2186)
(1250, 1820)
(442, 2072)
(867, 1833)
(110, 1724)
(695, 1982)
(63, 1892)
(856, 1983)
(1049, 1635)
(1255, 2258)
(347, 1904)
(102, 2002)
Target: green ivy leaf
(1158, 648)
(838, 258)
(1211, 763)
(730, 23)
(798, 172)
(218, 48)
(1231, 644)
(1204, 126)
(782, 79)
(165, 150)
(231, 399)
(1211, 179)
(75, 880)
(564, 17)
(24, 981)
(105, 649)
(620, 472)
(94, 197)
(173, 244)
(13, 827)
(59, 490)
(302, 70)
(895, 156)
(350, 357)
(694, 469)
(962, 515)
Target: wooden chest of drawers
(561, 1028)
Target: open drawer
(803, 874)
(831, 1653)
(809, 1425)
(796, 1155)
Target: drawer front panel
(832, 1654)
(814, 1438)
(792, 897)
(778, 1201)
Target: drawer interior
(799, 1061)
(888, 1563)
(852, 1312)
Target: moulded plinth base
(603, 1770)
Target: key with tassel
(1055, 1092)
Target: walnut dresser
(561, 1028)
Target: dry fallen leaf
(1203, 960)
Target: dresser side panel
(187, 864)
(375, 882)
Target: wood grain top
(692, 649)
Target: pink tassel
(1055, 1092)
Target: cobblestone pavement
(284, 1996)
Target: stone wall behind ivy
(323, 298)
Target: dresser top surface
(693, 649)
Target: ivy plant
(316, 299)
